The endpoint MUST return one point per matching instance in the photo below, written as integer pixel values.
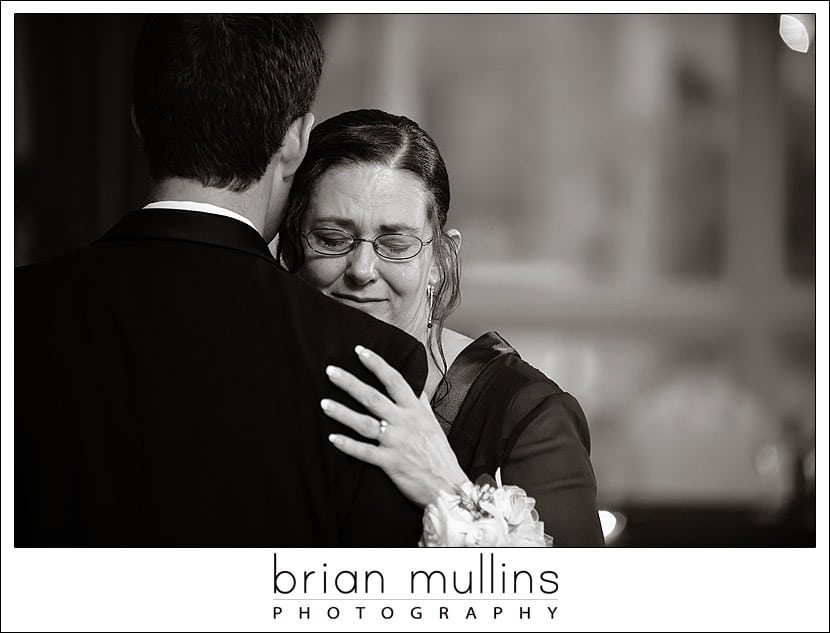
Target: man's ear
(295, 144)
(135, 122)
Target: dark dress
(502, 413)
(167, 388)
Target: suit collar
(190, 226)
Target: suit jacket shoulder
(168, 380)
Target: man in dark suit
(168, 377)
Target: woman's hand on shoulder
(408, 443)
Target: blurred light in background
(612, 524)
(793, 30)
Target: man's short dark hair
(215, 94)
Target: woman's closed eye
(332, 238)
(397, 243)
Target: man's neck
(250, 203)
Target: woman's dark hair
(376, 137)
(214, 95)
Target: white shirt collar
(202, 207)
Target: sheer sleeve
(547, 454)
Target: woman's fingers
(366, 425)
(361, 450)
(368, 396)
(389, 377)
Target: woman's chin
(377, 309)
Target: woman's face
(368, 200)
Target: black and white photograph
(321, 291)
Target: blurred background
(637, 199)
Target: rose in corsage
(483, 515)
(446, 523)
(487, 532)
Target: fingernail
(325, 405)
(362, 351)
(334, 439)
(332, 371)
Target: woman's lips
(355, 298)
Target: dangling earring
(430, 304)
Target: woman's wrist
(451, 485)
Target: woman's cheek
(321, 273)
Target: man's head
(216, 95)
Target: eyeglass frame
(373, 242)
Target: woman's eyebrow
(394, 227)
(397, 228)
(333, 219)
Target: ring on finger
(382, 424)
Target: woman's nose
(362, 263)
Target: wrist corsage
(483, 515)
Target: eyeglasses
(392, 246)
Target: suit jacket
(167, 388)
